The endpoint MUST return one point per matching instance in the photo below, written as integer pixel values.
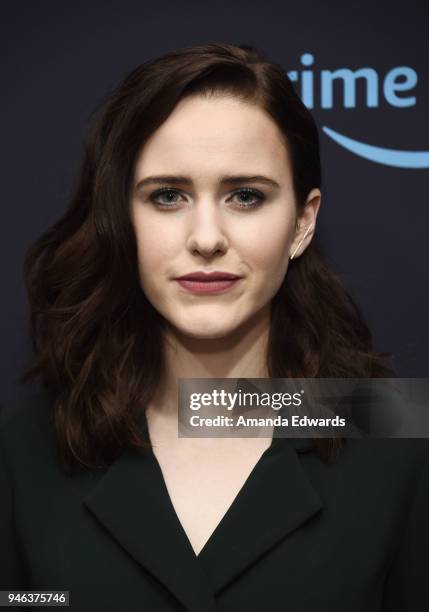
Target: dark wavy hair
(97, 340)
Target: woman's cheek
(155, 248)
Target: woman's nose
(206, 229)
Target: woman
(204, 160)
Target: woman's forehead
(211, 137)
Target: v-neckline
(132, 503)
(266, 453)
(272, 448)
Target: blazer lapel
(276, 499)
(132, 502)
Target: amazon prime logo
(396, 88)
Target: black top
(301, 535)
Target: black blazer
(301, 536)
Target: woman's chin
(203, 330)
(206, 334)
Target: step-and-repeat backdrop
(362, 69)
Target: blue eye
(161, 192)
(169, 193)
(250, 192)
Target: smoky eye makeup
(243, 198)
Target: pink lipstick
(208, 283)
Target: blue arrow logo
(380, 155)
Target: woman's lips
(214, 286)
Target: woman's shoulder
(393, 449)
(385, 464)
(25, 422)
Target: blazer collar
(131, 500)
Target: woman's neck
(238, 355)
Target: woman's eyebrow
(225, 180)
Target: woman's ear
(306, 223)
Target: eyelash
(246, 190)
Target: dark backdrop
(61, 58)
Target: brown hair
(97, 339)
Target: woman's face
(205, 221)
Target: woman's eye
(168, 193)
(252, 198)
(247, 198)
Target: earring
(306, 232)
